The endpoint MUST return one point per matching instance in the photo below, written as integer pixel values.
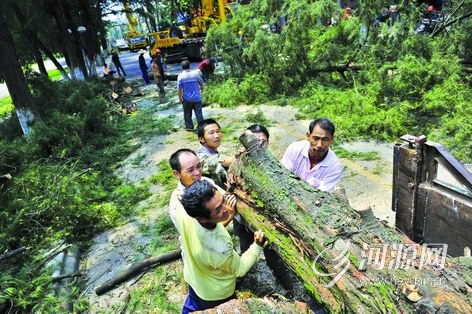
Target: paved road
(130, 63)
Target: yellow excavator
(186, 40)
(135, 39)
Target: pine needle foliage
(63, 186)
(401, 82)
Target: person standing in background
(190, 85)
(116, 61)
(143, 67)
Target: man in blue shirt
(190, 84)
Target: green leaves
(63, 184)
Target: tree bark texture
(32, 36)
(11, 72)
(314, 230)
(269, 304)
(69, 41)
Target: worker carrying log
(214, 165)
(211, 265)
(186, 168)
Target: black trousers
(273, 260)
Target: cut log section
(348, 260)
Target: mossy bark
(304, 224)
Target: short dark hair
(323, 123)
(195, 198)
(185, 64)
(203, 124)
(174, 161)
(259, 128)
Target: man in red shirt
(207, 67)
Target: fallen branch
(12, 253)
(61, 277)
(136, 268)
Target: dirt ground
(366, 183)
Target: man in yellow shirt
(187, 169)
(211, 265)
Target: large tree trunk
(69, 39)
(325, 242)
(10, 71)
(32, 36)
(51, 57)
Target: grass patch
(6, 105)
(138, 159)
(144, 124)
(164, 176)
(356, 155)
(155, 289)
(154, 292)
(55, 75)
(165, 179)
(164, 236)
(258, 117)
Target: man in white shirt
(312, 159)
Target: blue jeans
(195, 303)
(188, 107)
(145, 76)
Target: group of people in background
(115, 59)
(190, 82)
(201, 208)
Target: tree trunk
(92, 20)
(151, 14)
(33, 37)
(69, 41)
(51, 57)
(78, 44)
(268, 304)
(327, 244)
(10, 70)
(39, 59)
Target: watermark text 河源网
(387, 256)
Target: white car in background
(121, 44)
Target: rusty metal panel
(404, 187)
(445, 218)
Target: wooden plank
(405, 186)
